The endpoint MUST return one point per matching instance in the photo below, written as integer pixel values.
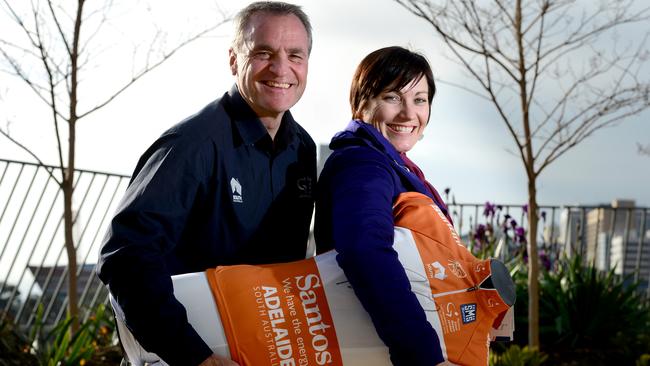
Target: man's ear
(233, 61)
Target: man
(229, 185)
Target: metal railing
(33, 266)
(609, 237)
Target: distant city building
(570, 236)
(632, 257)
(614, 236)
(605, 222)
(52, 281)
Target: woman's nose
(407, 110)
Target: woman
(390, 98)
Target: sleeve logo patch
(468, 312)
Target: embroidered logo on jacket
(304, 187)
(457, 268)
(469, 313)
(235, 186)
(440, 271)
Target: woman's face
(400, 116)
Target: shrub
(518, 356)
(91, 345)
(644, 360)
(14, 347)
(588, 316)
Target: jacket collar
(360, 133)
(251, 129)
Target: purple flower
(499, 207)
(544, 259)
(525, 208)
(488, 209)
(479, 234)
(520, 235)
(447, 190)
(543, 214)
(513, 224)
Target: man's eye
(264, 55)
(295, 57)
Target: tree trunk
(533, 267)
(69, 221)
(73, 306)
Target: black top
(213, 190)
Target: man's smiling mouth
(275, 84)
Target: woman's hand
(215, 360)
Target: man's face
(271, 66)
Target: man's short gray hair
(243, 18)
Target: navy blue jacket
(356, 190)
(212, 190)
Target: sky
(466, 146)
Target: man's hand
(215, 360)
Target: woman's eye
(420, 101)
(392, 98)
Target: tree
(643, 150)
(51, 51)
(552, 75)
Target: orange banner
(275, 314)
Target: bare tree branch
(547, 56)
(463, 87)
(148, 68)
(51, 88)
(643, 150)
(31, 153)
(50, 60)
(18, 71)
(55, 18)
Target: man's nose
(279, 65)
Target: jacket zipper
(470, 289)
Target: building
(603, 223)
(632, 257)
(52, 282)
(571, 230)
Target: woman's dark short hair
(387, 69)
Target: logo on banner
(468, 312)
(293, 326)
(235, 186)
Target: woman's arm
(359, 188)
